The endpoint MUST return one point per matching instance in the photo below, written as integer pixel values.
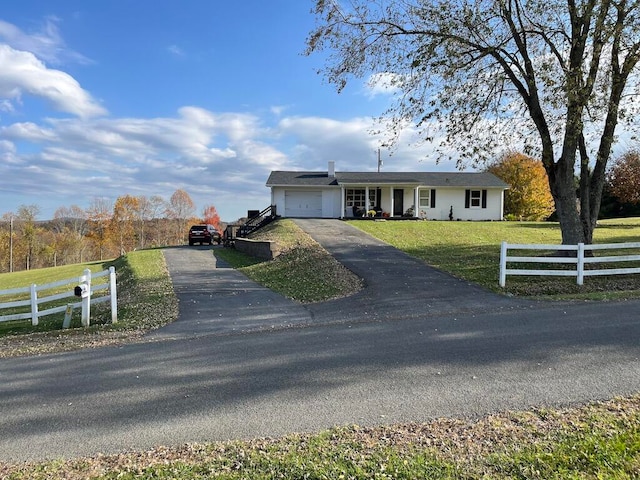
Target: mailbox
(81, 291)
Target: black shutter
(433, 198)
(484, 199)
(467, 198)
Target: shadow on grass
(100, 314)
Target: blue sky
(100, 99)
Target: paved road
(242, 362)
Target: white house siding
(326, 202)
(448, 197)
(331, 203)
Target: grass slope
(303, 270)
(145, 301)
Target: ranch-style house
(438, 195)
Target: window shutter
(467, 198)
(484, 199)
(433, 198)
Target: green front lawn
(471, 251)
(145, 301)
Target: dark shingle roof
(430, 179)
(302, 179)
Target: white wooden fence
(78, 287)
(579, 259)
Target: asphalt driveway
(396, 284)
(242, 362)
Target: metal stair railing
(265, 217)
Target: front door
(398, 202)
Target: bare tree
(150, 209)
(27, 216)
(70, 228)
(556, 75)
(98, 216)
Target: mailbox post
(83, 290)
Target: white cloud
(22, 73)
(381, 84)
(218, 158)
(46, 44)
(175, 50)
(353, 146)
(28, 131)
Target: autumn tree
(122, 224)
(624, 177)
(528, 196)
(554, 75)
(211, 217)
(180, 209)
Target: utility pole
(11, 244)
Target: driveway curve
(396, 285)
(242, 362)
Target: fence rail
(582, 258)
(89, 293)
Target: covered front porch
(381, 201)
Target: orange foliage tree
(211, 217)
(529, 196)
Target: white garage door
(303, 204)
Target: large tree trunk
(563, 189)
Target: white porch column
(416, 200)
(391, 197)
(342, 205)
(366, 198)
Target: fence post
(86, 298)
(114, 294)
(580, 263)
(34, 305)
(503, 264)
(66, 323)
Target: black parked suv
(204, 234)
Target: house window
(476, 198)
(425, 196)
(356, 197)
